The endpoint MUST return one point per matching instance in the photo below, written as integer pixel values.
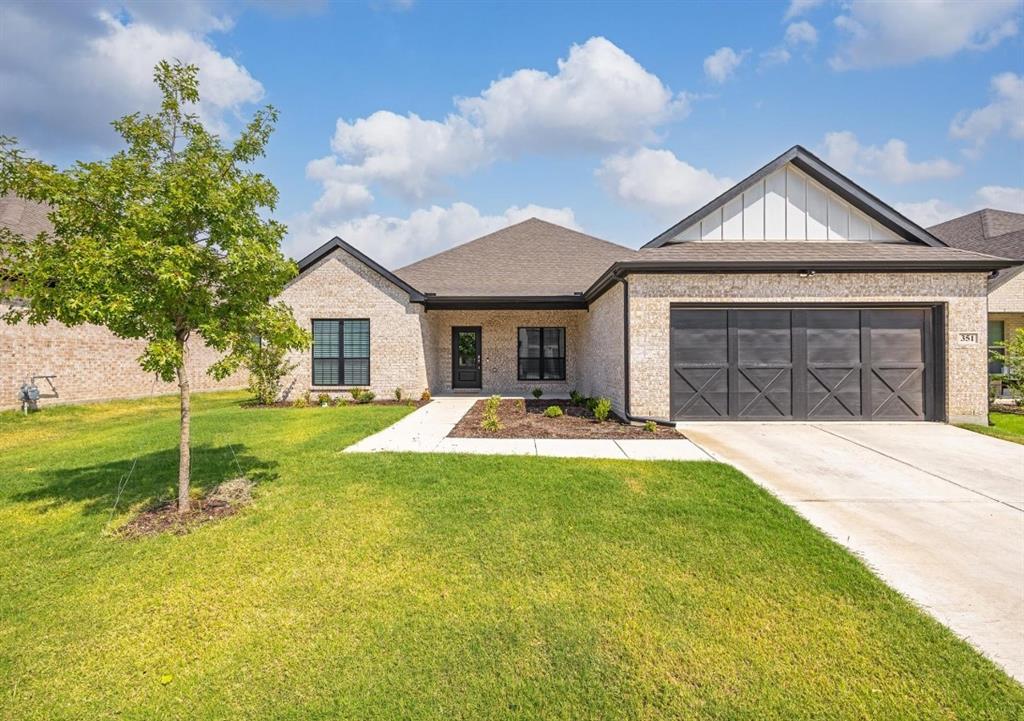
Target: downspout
(625, 346)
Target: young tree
(163, 241)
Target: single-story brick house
(999, 233)
(794, 295)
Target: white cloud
(1005, 112)
(934, 211)
(775, 56)
(801, 33)
(659, 182)
(799, 7)
(888, 162)
(67, 71)
(879, 34)
(720, 65)
(395, 241)
(599, 98)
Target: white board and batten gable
(786, 205)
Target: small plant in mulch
(425, 396)
(490, 421)
(537, 393)
(362, 395)
(398, 394)
(302, 401)
(602, 408)
(521, 405)
(324, 399)
(577, 398)
(650, 426)
(225, 500)
(553, 412)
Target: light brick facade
(603, 360)
(90, 364)
(964, 295)
(339, 286)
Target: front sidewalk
(426, 430)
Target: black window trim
(542, 357)
(341, 354)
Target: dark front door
(466, 355)
(803, 364)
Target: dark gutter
(625, 344)
(827, 176)
(505, 302)
(337, 243)
(619, 269)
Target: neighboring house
(999, 233)
(87, 362)
(794, 295)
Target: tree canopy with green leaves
(165, 240)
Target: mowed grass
(436, 587)
(1008, 426)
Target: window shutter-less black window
(541, 354)
(341, 352)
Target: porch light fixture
(806, 273)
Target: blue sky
(408, 127)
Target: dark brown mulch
(1013, 409)
(521, 419)
(225, 500)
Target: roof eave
(505, 302)
(619, 270)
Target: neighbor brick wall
(1009, 297)
(963, 293)
(339, 286)
(91, 364)
(501, 348)
(601, 335)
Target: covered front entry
(467, 366)
(805, 363)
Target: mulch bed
(225, 500)
(314, 404)
(521, 419)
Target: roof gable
(796, 197)
(337, 243)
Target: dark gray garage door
(803, 364)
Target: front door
(466, 355)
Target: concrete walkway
(425, 430)
(936, 511)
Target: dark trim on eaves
(505, 302)
(620, 269)
(827, 176)
(337, 243)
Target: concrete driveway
(936, 511)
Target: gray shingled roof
(994, 232)
(531, 258)
(761, 251)
(24, 217)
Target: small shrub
(552, 411)
(493, 403)
(302, 401)
(362, 395)
(601, 409)
(521, 405)
(591, 403)
(577, 398)
(267, 367)
(490, 421)
(398, 394)
(425, 396)
(323, 399)
(537, 393)
(650, 426)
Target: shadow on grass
(153, 478)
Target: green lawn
(436, 587)
(1008, 426)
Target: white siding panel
(691, 232)
(859, 226)
(711, 226)
(796, 205)
(879, 232)
(732, 225)
(817, 212)
(753, 212)
(838, 219)
(775, 206)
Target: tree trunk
(184, 454)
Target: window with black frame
(542, 354)
(341, 352)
